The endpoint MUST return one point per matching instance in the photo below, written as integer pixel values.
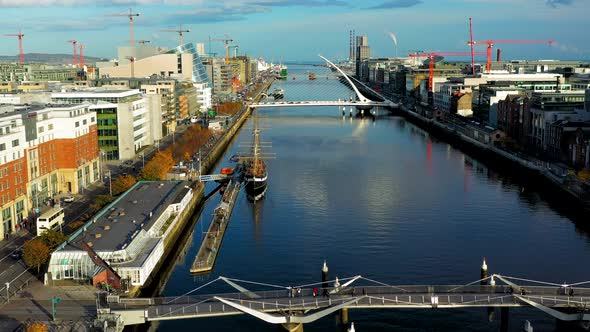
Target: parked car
(16, 255)
(128, 162)
(68, 199)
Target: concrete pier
(207, 254)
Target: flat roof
(130, 213)
(97, 94)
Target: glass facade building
(199, 74)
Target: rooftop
(96, 93)
(116, 225)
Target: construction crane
(432, 55)
(81, 56)
(74, 42)
(471, 45)
(20, 45)
(225, 40)
(179, 32)
(132, 65)
(130, 15)
(490, 43)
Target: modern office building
(125, 122)
(182, 63)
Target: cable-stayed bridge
(361, 101)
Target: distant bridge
(323, 103)
(291, 308)
(362, 102)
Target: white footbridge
(361, 101)
(294, 305)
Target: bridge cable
(471, 283)
(579, 283)
(328, 281)
(194, 290)
(384, 284)
(533, 281)
(256, 283)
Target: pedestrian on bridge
(315, 291)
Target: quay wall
(543, 180)
(183, 224)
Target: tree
(158, 166)
(584, 175)
(122, 184)
(100, 201)
(36, 327)
(52, 238)
(35, 253)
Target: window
(2, 146)
(84, 121)
(77, 124)
(50, 126)
(15, 143)
(41, 129)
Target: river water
(385, 200)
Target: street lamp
(110, 184)
(142, 159)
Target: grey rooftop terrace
(130, 213)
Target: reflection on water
(390, 202)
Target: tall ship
(253, 168)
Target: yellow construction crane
(130, 15)
(226, 40)
(179, 32)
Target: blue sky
(301, 29)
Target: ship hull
(255, 187)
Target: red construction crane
(491, 43)
(130, 15)
(74, 42)
(432, 55)
(179, 32)
(81, 56)
(20, 45)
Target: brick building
(44, 150)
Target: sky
(291, 30)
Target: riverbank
(208, 163)
(531, 169)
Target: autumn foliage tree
(35, 253)
(52, 238)
(193, 138)
(122, 184)
(229, 107)
(36, 327)
(158, 166)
